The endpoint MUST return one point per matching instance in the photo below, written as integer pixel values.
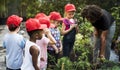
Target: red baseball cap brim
(21, 19)
(71, 10)
(61, 19)
(44, 20)
(42, 26)
(52, 26)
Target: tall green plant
(116, 15)
(116, 12)
(3, 8)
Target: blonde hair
(65, 13)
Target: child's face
(40, 34)
(56, 23)
(70, 14)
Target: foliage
(82, 65)
(116, 14)
(46, 6)
(83, 47)
(83, 44)
(35, 6)
(30, 7)
(106, 4)
(109, 65)
(3, 8)
(64, 63)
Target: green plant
(82, 65)
(3, 8)
(83, 47)
(109, 65)
(116, 14)
(83, 40)
(64, 63)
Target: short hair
(12, 27)
(91, 11)
(30, 33)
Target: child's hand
(95, 33)
(42, 59)
(76, 25)
(46, 31)
(73, 25)
(60, 49)
(56, 51)
(55, 48)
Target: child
(69, 28)
(55, 19)
(14, 44)
(45, 41)
(32, 50)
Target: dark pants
(12, 69)
(67, 48)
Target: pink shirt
(43, 43)
(68, 22)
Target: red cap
(40, 15)
(55, 16)
(70, 7)
(46, 20)
(33, 24)
(14, 19)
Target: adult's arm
(103, 42)
(95, 32)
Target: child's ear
(18, 29)
(36, 35)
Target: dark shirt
(104, 22)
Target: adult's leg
(110, 36)
(96, 49)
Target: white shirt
(27, 61)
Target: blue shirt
(14, 44)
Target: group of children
(44, 37)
